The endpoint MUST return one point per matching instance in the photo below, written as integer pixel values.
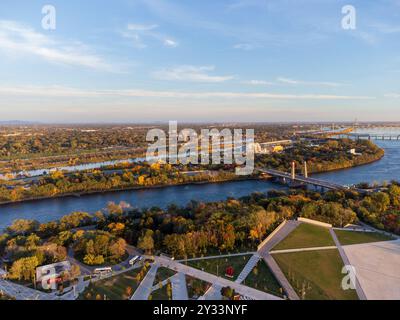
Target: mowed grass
(119, 287)
(261, 278)
(162, 294)
(315, 275)
(218, 266)
(357, 237)
(306, 236)
(163, 274)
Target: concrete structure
(286, 177)
(377, 268)
(315, 222)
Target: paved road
(20, 292)
(146, 286)
(210, 278)
(179, 287)
(346, 261)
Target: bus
(101, 271)
(134, 260)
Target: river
(386, 169)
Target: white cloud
(258, 83)
(141, 27)
(170, 43)
(190, 73)
(244, 46)
(59, 91)
(392, 95)
(308, 83)
(17, 39)
(139, 32)
(386, 28)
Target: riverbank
(137, 188)
(352, 164)
(232, 178)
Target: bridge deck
(312, 181)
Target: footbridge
(293, 178)
(287, 177)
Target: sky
(187, 60)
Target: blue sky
(227, 60)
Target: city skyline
(144, 61)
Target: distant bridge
(370, 136)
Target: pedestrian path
(346, 261)
(146, 286)
(213, 293)
(248, 268)
(273, 266)
(20, 292)
(282, 232)
(303, 249)
(179, 288)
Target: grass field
(317, 273)
(161, 294)
(306, 236)
(163, 274)
(196, 287)
(218, 266)
(356, 237)
(119, 287)
(261, 278)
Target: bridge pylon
(305, 169)
(293, 170)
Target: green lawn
(163, 274)
(119, 287)
(317, 273)
(356, 237)
(196, 287)
(261, 278)
(218, 266)
(306, 236)
(161, 294)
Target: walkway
(248, 268)
(283, 231)
(179, 287)
(220, 256)
(20, 292)
(210, 278)
(213, 293)
(303, 249)
(346, 261)
(146, 286)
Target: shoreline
(86, 193)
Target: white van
(134, 260)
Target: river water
(386, 169)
